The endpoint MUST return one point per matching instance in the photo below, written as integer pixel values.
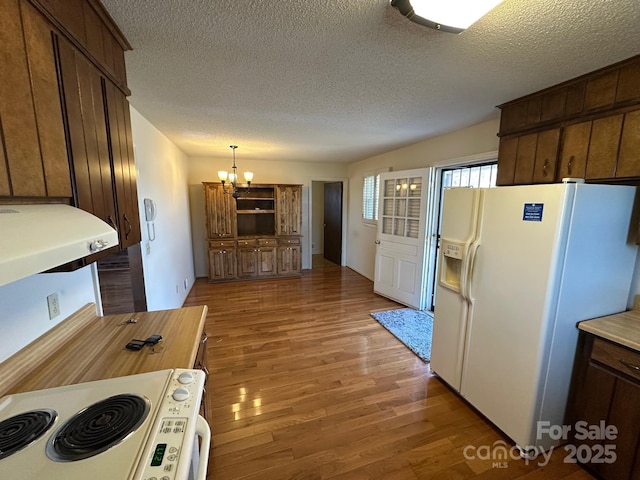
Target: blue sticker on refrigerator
(532, 212)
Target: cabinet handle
(129, 226)
(629, 365)
(112, 222)
(545, 166)
(570, 164)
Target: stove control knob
(180, 394)
(185, 378)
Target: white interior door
(401, 239)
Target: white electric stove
(138, 427)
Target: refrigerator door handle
(464, 274)
(473, 254)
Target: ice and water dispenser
(451, 267)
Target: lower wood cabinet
(256, 257)
(289, 253)
(222, 260)
(605, 391)
(247, 258)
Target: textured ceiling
(342, 80)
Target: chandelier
(232, 177)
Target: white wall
(474, 140)
(205, 169)
(162, 176)
(24, 314)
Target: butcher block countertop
(87, 347)
(622, 328)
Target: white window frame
(371, 196)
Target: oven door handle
(204, 432)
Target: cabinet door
(593, 394)
(507, 156)
(123, 165)
(266, 259)
(46, 100)
(575, 145)
(525, 159)
(289, 210)
(603, 147)
(35, 156)
(625, 416)
(87, 134)
(247, 262)
(546, 156)
(222, 264)
(629, 155)
(220, 212)
(289, 259)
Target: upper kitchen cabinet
(123, 165)
(81, 85)
(90, 28)
(66, 129)
(588, 127)
(34, 153)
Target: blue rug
(411, 327)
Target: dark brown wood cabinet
(257, 234)
(89, 27)
(588, 128)
(33, 137)
(628, 164)
(605, 390)
(575, 147)
(122, 164)
(85, 123)
(66, 129)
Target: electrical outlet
(54, 305)
(177, 288)
(636, 302)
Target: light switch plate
(54, 305)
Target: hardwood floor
(305, 385)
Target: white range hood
(36, 238)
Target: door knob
(377, 242)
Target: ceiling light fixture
(232, 177)
(452, 16)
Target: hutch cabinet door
(289, 210)
(221, 212)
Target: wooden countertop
(622, 328)
(86, 347)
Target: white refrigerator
(518, 268)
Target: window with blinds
(370, 198)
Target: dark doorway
(333, 222)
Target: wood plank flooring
(305, 385)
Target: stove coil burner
(21, 430)
(98, 428)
